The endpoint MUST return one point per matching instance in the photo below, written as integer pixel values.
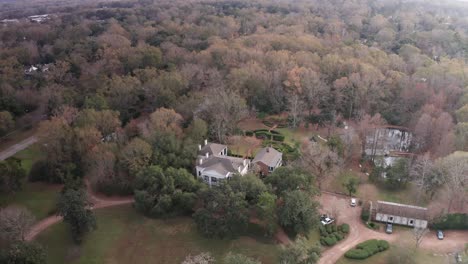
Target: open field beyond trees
(124, 236)
(38, 197)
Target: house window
(214, 180)
(206, 179)
(270, 169)
(411, 222)
(199, 173)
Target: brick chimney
(199, 147)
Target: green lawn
(420, 257)
(337, 185)
(29, 156)
(292, 136)
(406, 196)
(39, 198)
(124, 236)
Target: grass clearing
(337, 183)
(292, 136)
(420, 257)
(39, 198)
(124, 236)
(29, 156)
(370, 191)
(405, 196)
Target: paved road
(453, 241)
(12, 150)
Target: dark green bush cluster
(372, 225)
(331, 234)
(344, 228)
(452, 221)
(367, 249)
(38, 171)
(365, 213)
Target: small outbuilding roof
(269, 156)
(403, 210)
(212, 149)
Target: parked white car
(353, 202)
(325, 220)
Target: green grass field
(124, 236)
(420, 257)
(39, 198)
(406, 196)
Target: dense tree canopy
(167, 192)
(224, 212)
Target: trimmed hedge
(266, 134)
(278, 138)
(367, 249)
(452, 221)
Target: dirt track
(97, 203)
(12, 150)
(454, 240)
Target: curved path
(454, 240)
(95, 200)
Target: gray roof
(222, 164)
(212, 149)
(404, 210)
(269, 156)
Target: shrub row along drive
(367, 249)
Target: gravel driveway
(453, 241)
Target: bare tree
(455, 168)
(419, 172)
(418, 235)
(15, 222)
(318, 159)
(367, 126)
(202, 258)
(296, 109)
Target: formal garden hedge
(367, 249)
(452, 221)
(331, 234)
(279, 122)
(266, 134)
